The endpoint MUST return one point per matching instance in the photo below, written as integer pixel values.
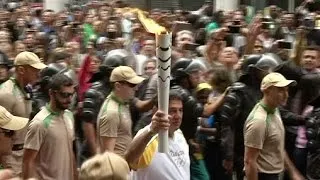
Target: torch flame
(149, 24)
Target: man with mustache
(142, 154)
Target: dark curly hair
(60, 80)
(220, 79)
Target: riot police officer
(313, 135)
(241, 98)
(182, 81)
(313, 129)
(293, 114)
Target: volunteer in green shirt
(8, 124)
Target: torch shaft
(163, 53)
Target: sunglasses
(128, 84)
(65, 95)
(7, 133)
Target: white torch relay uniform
(160, 166)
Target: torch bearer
(163, 53)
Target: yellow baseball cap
(29, 58)
(277, 80)
(125, 73)
(203, 86)
(11, 122)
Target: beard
(60, 105)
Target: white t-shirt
(159, 166)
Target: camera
(190, 46)
(267, 25)
(111, 35)
(237, 23)
(234, 29)
(284, 45)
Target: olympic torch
(163, 53)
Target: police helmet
(51, 69)
(48, 72)
(184, 67)
(71, 74)
(248, 62)
(268, 62)
(114, 58)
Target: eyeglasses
(64, 94)
(7, 133)
(128, 84)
